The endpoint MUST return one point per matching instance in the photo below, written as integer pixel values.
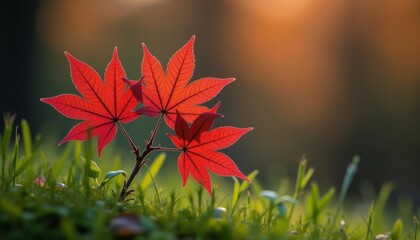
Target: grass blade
(235, 194)
(5, 141)
(369, 229)
(348, 178)
(15, 157)
(153, 171)
(251, 177)
(26, 138)
(381, 201)
(397, 230)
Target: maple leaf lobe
(171, 92)
(102, 104)
(199, 145)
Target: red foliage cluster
(104, 105)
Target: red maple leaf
(199, 148)
(102, 105)
(169, 94)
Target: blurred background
(323, 79)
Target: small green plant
(240, 189)
(302, 179)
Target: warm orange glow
(312, 76)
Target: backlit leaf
(170, 93)
(199, 147)
(103, 103)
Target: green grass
(77, 199)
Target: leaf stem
(134, 148)
(139, 163)
(167, 149)
(152, 138)
(140, 156)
